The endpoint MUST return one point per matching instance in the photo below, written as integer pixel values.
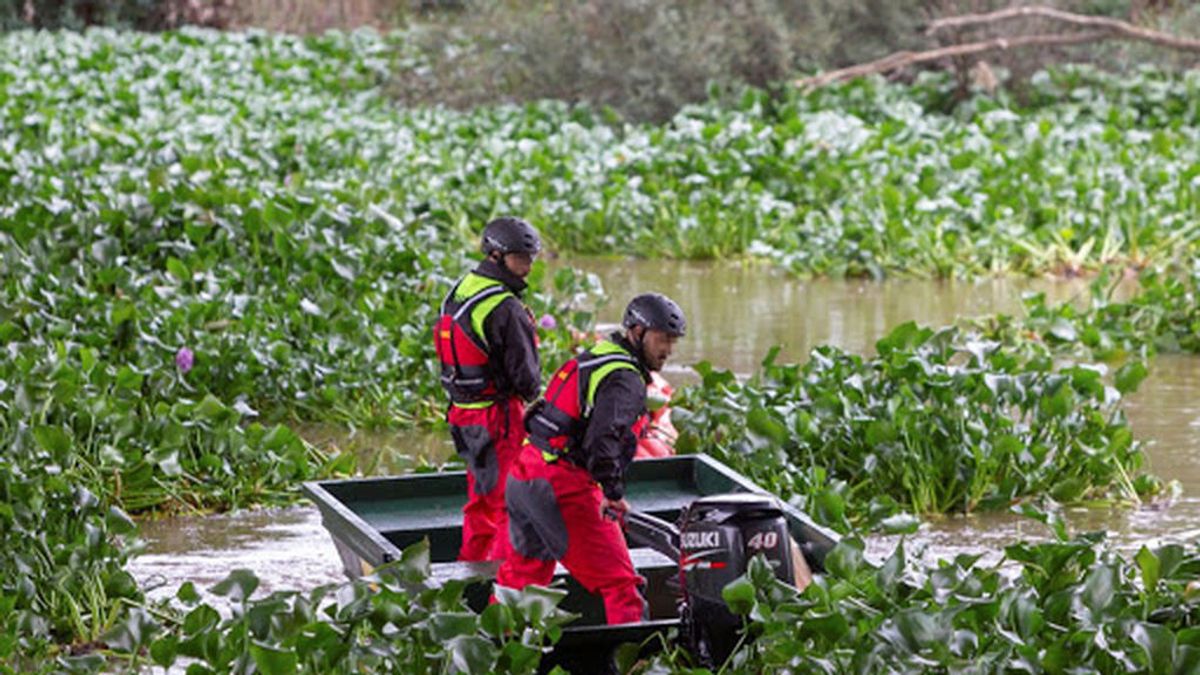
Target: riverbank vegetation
(206, 238)
(980, 415)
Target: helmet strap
(639, 344)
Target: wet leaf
(496, 620)
(238, 585)
(1130, 376)
(1158, 644)
(187, 593)
(273, 661)
(1097, 591)
(763, 423)
(845, 559)
(472, 654)
(164, 650)
(53, 440)
(739, 596)
(445, 625)
(1148, 563)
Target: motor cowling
(718, 537)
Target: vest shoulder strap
(603, 359)
(476, 297)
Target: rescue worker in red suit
(487, 347)
(566, 492)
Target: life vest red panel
(462, 352)
(556, 422)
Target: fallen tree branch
(1100, 28)
(910, 58)
(1102, 23)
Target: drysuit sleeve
(511, 338)
(609, 443)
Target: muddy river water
(735, 313)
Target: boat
(372, 520)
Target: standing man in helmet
(487, 349)
(566, 492)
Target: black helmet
(655, 311)
(510, 235)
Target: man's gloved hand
(614, 509)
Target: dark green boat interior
(431, 505)
(372, 520)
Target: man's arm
(510, 332)
(608, 442)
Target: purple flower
(184, 360)
(548, 322)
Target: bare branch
(909, 58)
(1103, 23)
(1098, 28)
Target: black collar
(492, 270)
(623, 342)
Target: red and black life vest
(556, 422)
(458, 338)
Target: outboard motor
(718, 537)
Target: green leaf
(534, 603)
(187, 593)
(1186, 660)
(210, 407)
(472, 654)
(1129, 376)
(763, 423)
(1060, 403)
(1069, 489)
(445, 625)
(53, 440)
(136, 630)
(1149, 565)
(904, 337)
(239, 585)
(521, 658)
(128, 378)
(889, 574)
(272, 660)
(1158, 643)
(829, 627)
(496, 620)
(739, 595)
(845, 559)
(919, 629)
(831, 506)
(177, 269)
(200, 620)
(1170, 557)
(119, 522)
(164, 649)
(1097, 593)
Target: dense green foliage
(1067, 606)
(979, 415)
(206, 237)
(398, 620)
(938, 422)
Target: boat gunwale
(799, 522)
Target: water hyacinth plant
(938, 422)
(399, 619)
(207, 237)
(1064, 606)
